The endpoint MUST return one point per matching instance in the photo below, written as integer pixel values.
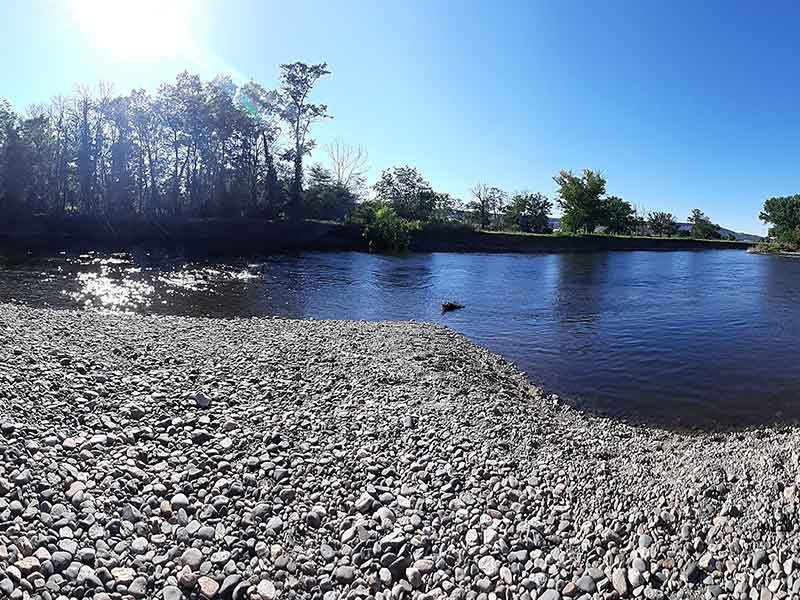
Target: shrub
(389, 231)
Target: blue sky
(680, 104)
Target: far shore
(219, 237)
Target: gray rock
(488, 565)
(201, 400)
(586, 584)
(344, 574)
(620, 582)
(192, 557)
(170, 592)
(138, 587)
(229, 584)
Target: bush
(386, 230)
(776, 247)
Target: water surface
(664, 335)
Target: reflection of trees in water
(778, 296)
(582, 287)
(346, 285)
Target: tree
(264, 106)
(15, 169)
(407, 192)
(529, 212)
(442, 208)
(325, 198)
(619, 217)
(662, 224)
(297, 81)
(349, 165)
(486, 204)
(639, 220)
(783, 213)
(702, 227)
(581, 200)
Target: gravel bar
(172, 457)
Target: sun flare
(142, 30)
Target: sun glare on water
(141, 30)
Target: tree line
(197, 148)
(193, 148)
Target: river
(676, 336)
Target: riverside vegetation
(175, 457)
(783, 213)
(198, 149)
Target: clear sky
(681, 104)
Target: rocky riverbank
(157, 457)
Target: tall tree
(529, 212)
(14, 165)
(348, 165)
(297, 81)
(407, 192)
(783, 213)
(580, 198)
(619, 216)
(702, 227)
(486, 204)
(443, 206)
(264, 107)
(662, 224)
(326, 198)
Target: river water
(676, 336)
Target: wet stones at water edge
(177, 458)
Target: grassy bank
(242, 236)
(464, 239)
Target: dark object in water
(448, 306)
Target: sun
(144, 30)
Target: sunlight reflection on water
(103, 292)
(117, 284)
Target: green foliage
(581, 200)
(297, 81)
(326, 199)
(619, 216)
(529, 212)
(702, 227)
(775, 246)
(783, 213)
(364, 212)
(443, 207)
(407, 192)
(486, 205)
(386, 230)
(662, 224)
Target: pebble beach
(176, 457)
